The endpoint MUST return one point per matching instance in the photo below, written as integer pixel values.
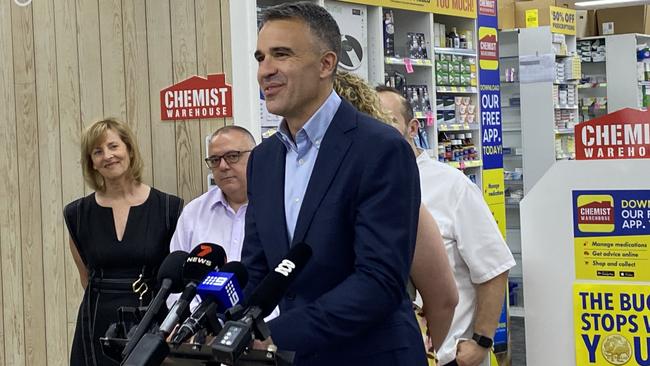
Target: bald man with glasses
(218, 215)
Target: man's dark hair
(319, 21)
(231, 128)
(407, 109)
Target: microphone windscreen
(270, 291)
(172, 268)
(203, 259)
(239, 270)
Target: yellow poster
(532, 18)
(460, 8)
(563, 20)
(611, 324)
(493, 186)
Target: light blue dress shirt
(301, 157)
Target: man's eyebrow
(282, 49)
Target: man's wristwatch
(483, 341)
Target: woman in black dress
(119, 235)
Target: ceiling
(640, 2)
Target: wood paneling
(12, 290)
(49, 162)
(29, 182)
(65, 64)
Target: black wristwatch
(483, 341)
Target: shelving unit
(512, 155)
(593, 85)
(549, 106)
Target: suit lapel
(273, 197)
(332, 151)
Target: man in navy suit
(341, 182)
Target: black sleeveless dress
(113, 266)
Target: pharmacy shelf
(564, 131)
(592, 86)
(565, 82)
(414, 61)
(457, 89)
(514, 181)
(455, 51)
(465, 164)
(443, 127)
(565, 107)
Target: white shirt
(475, 247)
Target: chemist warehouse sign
(197, 98)
(624, 134)
(612, 324)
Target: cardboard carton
(628, 19)
(506, 14)
(543, 11)
(586, 23)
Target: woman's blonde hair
(93, 135)
(361, 95)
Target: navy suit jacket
(359, 215)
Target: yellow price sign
(460, 8)
(611, 324)
(563, 20)
(532, 18)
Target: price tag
(462, 165)
(409, 65)
(430, 119)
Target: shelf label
(532, 18)
(563, 20)
(430, 119)
(408, 65)
(611, 231)
(611, 324)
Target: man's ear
(413, 127)
(328, 64)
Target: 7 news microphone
(170, 277)
(236, 335)
(202, 260)
(219, 292)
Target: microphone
(235, 336)
(220, 291)
(203, 259)
(170, 277)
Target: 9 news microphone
(219, 291)
(203, 259)
(235, 336)
(170, 277)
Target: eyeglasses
(231, 157)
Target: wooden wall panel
(226, 46)
(90, 62)
(29, 183)
(112, 51)
(134, 21)
(12, 347)
(50, 177)
(65, 64)
(163, 133)
(208, 49)
(72, 185)
(188, 134)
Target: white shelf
(465, 164)
(564, 131)
(414, 61)
(457, 89)
(514, 181)
(517, 311)
(565, 107)
(511, 129)
(592, 86)
(444, 127)
(455, 51)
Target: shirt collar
(218, 198)
(316, 125)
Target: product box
(627, 19)
(543, 11)
(506, 14)
(389, 33)
(586, 23)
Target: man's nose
(266, 68)
(223, 165)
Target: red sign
(197, 98)
(487, 7)
(488, 47)
(596, 213)
(624, 134)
